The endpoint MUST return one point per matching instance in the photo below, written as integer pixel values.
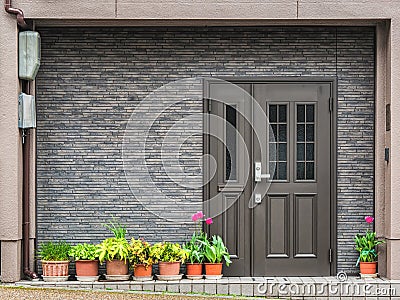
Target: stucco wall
(87, 88)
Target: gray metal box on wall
(26, 111)
(28, 54)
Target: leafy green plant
(84, 252)
(140, 252)
(215, 251)
(116, 228)
(365, 245)
(195, 248)
(168, 252)
(54, 251)
(113, 248)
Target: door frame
(332, 80)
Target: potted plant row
(119, 254)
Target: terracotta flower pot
(141, 270)
(87, 267)
(55, 268)
(368, 267)
(194, 269)
(169, 268)
(116, 267)
(213, 269)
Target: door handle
(258, 176)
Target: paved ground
(15, 293)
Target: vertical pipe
(26, 143)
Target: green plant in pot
(195, 253)
(141, 258)
(366, 247)
(55, 260)
(86, 261)
(215, 252)
(169, 257)
(115, 252)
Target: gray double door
(279, 225)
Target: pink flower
(369, 219)
(194, 217)
(197, 216)
(200, 215)
(209, 221)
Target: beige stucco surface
(203, 12)
(10, 145)
(71, 9)
(276, 9)
(345, 9)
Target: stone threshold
(273, 287)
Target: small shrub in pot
(55, 260)
(169, 257)
(115, 250)
(141, 258)
(86, 260)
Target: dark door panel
(295, 213)
(289, 232)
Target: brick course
(91, 79)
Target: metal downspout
(26, 207)
(15, 11)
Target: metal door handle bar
(258, 176)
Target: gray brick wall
(91, 79)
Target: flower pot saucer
(143, 278)
(194, 277)
(55, 278)
(117, 277)
(87, 278)
(169, 277)
(213, 277)
(375, 275)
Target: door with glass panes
(288, 230)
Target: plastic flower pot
(368, 267)
(116, 267)
(213, 269)
(194, 269)
(140, 270)
(87, 267)
(169, 268)
(55, 268)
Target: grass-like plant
(116, 228)
(54, 251)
